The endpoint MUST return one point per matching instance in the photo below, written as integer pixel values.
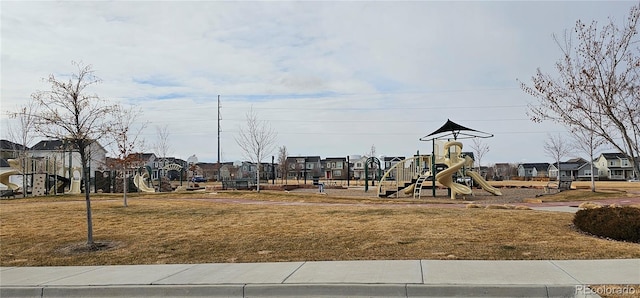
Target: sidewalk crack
(294, 271)
(567, 273)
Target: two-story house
(358, 166)
(614, 166)
(335, 168)
(304, 167)
(388, 162)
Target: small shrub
(616, 223)
(589, 205)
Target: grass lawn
(203, 228)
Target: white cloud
(332, 77)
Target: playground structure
(140, 182)
(4, 179)
(47, 176)
(447, 162)
(43, 176)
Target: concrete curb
(296, 290)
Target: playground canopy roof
(456, 130)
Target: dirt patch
(83, 247)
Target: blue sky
(332, 78)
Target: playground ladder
(417, 190)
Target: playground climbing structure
(447, 162)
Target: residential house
(388, 162)
(208, 170)
(503, 171)
(149, 160)
(304, 167)
(575, 169)
(614, 166)
(66, 154)
(10, 150)
(533, 170)
(246, 170)
(228, 171)
(335, 168)
(358, 166)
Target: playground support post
(433, 167)
(373, 161)
(348, 167)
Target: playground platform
(386, 278)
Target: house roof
(336, 158)
(393, 158)
(49, 145)
(308, 158)
(579, 160)
(538, 166)
(569, 166)
(8, 145)
(614, 155)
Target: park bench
(563, 184)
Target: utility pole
(219, 130)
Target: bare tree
(23, 135)
(479, 149)
(283, 154)
(588, 142)
(256, 140)
(556, 147)
(68, 112)
(162, 148)
(126, 140)
(597, 87)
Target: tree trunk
(593, 178)
(87, 190)
(258, 178)
(124, 184)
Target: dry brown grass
(587, 195)
(200, 228)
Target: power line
(289, 108)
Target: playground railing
(402, 175)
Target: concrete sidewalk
(405, 278)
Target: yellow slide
(138, 181)
(483, 183)
(4, 179)
(455, 164)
